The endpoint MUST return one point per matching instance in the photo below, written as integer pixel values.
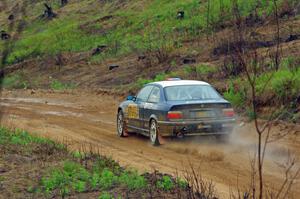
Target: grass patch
(132, 180)
(280, 88)
(106, 195)
(282, 85)
(205, 69)
(129, 30)
(57, 85)
(14, 81)
(23, 138)
(103, 180)
(235, 96)
(72, 177)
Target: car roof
(179, 83)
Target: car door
(135, 110)
(151, 107)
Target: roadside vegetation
(36, 167)
(21, 81)
(57, 85)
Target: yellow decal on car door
(133, 111)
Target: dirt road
(89, 120)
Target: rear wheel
(154, 137)
(121, 125)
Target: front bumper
(197, 127)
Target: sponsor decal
(133, 111)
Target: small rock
(4, 35)
(11, 17)
(189, 60)
(141, 57)
(99, 49)
(180, 14)
(292, 38)
(113, 66)
(106, 17)
(242, 124)
(3, 170)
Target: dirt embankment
(86, 120)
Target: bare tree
(208, 19)
(252, 60)
(277, 37)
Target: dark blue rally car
(176, 108)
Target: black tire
(121, 125)
(153, 133)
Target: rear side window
(155, 95)
(144, 93)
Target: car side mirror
(131, 98)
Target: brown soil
(86, 119)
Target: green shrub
(201, 69)
(283, 84)
(160, 77)
(106, 195)
(142, 82)
(132, 180)
(79, 186)
(188, 70)
(57, 85)
(72, 176)
(205, 69)
(103, 180)
(78, 154)
(236, 98)
(107, 179)
(32, 189)
(288, 63)
(182, 183)
(15, 81)
(165, 183)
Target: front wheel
(154, 137)
(121, 125)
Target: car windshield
(191, 92)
